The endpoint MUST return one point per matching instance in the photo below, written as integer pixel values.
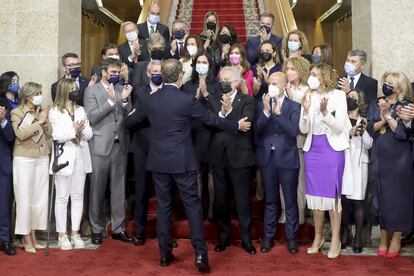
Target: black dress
(393, 189)
(199, 132)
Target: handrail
(144, 11)
(286, 17)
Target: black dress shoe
(122, 236)
(97, 238)
(220, 247)
(408, 238)
(8, 248)
(139, 240)
(292, 247)
(202, 265)
(173, 244)
(165, 261)
(266, 245)
(357, 249)
(249, 248)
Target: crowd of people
(203, 110)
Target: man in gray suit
(106, 105)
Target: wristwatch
(389, 118)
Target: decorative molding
(173, 13)
(251, 17)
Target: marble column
(35, 34)
(384, 29)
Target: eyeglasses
(72, 65)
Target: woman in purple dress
(323, 120)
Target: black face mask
(226, 87)
(74, 95)
(211, 26)
(352, 104)
(225, 39)
(266, 28)
(266, 56)
(179, 34)
(157, 54)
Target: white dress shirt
(3, 125)
(149, 27)
(356, 78)
(281, 99)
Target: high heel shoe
(314, 250)
(336, 254)
(28, 248)
(392, 254)
(382, 252)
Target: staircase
(241, 14)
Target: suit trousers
(73, 186)
(272, 178)
(142, 192)
(187, 186)
(226, 177)
(31, 191)
(6, 197)
(113, 167)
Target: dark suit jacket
(279, 132)
(238, 146)
(162, 29)
(141, 131)
(83, 84)
(369, 86)
(170, 112)
(253, 44)
(6, 144)
(125, 51)
(139, 76)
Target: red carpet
(117, 258)
(230, 12)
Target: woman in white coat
(355, 185)
(71, 127)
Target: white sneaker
(77, 242)
(64, 243)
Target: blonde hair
(208, 14)
(328, 76)
(63, 88)
(28, 89)
(400, 83)
(301, 65)
(304, 44)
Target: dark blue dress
(392, 168)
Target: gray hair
(181, 22)
(360, 53)
(171, 70)
(153, 63)
(234, 70)
(156, 38)
(126, 23)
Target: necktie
(152, 29)
(180, 48)
(352, 85)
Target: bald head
(154, 9)
(278, 79)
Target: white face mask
(131, 36)
(37, 100)
(153, 19)
(313, 82)
(192, 50)
(293, 46)
(273, 91)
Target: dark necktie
(152, 29)
(352, 85)
(180, 49)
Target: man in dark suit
(139, 147)
(276, 129)
(171, 156)
(134, 49)
(355, 79)
(253, 43)
(153, 25)
(179, 33)
(156, 49)
(6, 186)
(72, 69)
(231, 156)
(106, 105)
